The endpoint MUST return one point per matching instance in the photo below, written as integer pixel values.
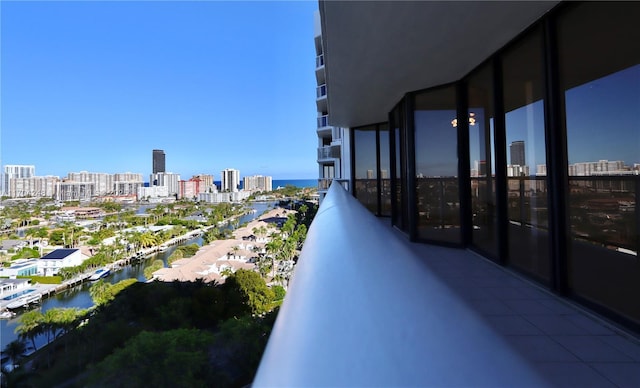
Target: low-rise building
(20, 268)
(51, 263)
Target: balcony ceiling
(376, 51)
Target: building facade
(442, 114)
(34, 187)
(74, 191)
(257, 183)
(333, 141)
(229, 179)
(168, 179)
(12, 171)
(158, 161)
(206, 182)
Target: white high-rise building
(229, 179)
(103, 182)
(333, 141)
(74, 191)
(257, 183)
(168, 179)
(34, 187)
(15, 171)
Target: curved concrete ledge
(364, 310)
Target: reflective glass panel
(366, 176)
(526, 157)
(436, 157)
(482, 161)
(600, 80)
(385, 171)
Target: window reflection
(366, 177)
(436, 159)
(482, 161)
(385, 172)
(526, 157)
(600, 80)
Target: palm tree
(30, 326)
(148, 239)
(15, 350)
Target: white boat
(99, 274)
(24, 301)
(7, 314)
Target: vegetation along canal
(79, 297)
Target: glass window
(482, 161)
(366, 168)
(600, 81)
(436, 158)
(526, 156)
(400, 216)
(385, 167)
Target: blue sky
(97, 85)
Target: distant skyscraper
(158, 161)
(517, 153)
(229, 179)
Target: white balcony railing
(323, 121)
(321, 91)
(320, 60)
(329, 152)
(364, 310)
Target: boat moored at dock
(100, 273)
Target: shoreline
(212, 259)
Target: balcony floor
(565, 344)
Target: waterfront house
(51, 263)
(20, 268)
(11, 286)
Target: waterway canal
(79, 296)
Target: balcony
(325, 183)
(324, 130)
(329, 152)
(321, 91)
(320, 61)
(368, 308)
(323, 121)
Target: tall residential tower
(158, 161)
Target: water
(79, 296)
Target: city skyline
(213, 84)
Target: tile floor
(567, 344)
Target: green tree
(248, 293)
(176, 358)
(15, 350)
(30, 326)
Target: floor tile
(591, 349)
(528, 306)
(555, 325)
(621, 374)
(541, 349)
(572, 375)
(512, 325)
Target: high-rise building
(333, 141)
(158, 161)
(257, 183)
(34, 187)
(229, 179)
(206, 182)
(516, 149)
(15, 171)
(168, 179)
